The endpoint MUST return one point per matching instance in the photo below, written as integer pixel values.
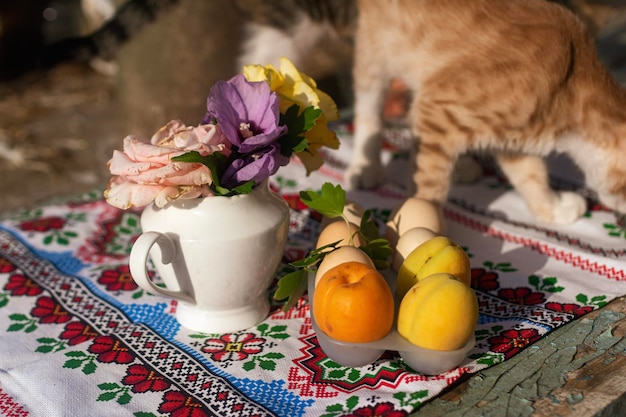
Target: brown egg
(353, 212)
(339, 231)
(339, 256)
(414, 212)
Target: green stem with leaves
(330, 202)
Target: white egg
(414, 212)
(339, 256)
(408, 241)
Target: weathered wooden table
(577, 370)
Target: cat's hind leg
(529, 175)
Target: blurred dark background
(59, 126)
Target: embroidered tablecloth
(79, 338)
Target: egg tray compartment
(354, 355)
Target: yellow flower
(293, 86)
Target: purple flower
(247, 113)
(256, 166)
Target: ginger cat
(518, 77)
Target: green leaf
(124, 398)
(16, 327)
(274, 355)
(44, 349)
(582, 298)
(216, 162)
(18, 317)
(108, 386)
(335, 408)
(297, 122)
(310, 115)
(3, 302)
(419, 394)
(315, 256)
(329, 202)
(533, 280)
(245, 188)
(248, 366)
(368, 227)
(549, 281)
(76, 354)
(352, 402)
(354, 374)
(73, 364)
(278, 328)
(379, 250)
(144, 414)
(90, 368)
(291, 287)
(267, 365)
(337, 373)
(107, 396)
(30, 328)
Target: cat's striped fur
(519, 77)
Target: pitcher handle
(139, 258)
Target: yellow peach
(439, 312)
(438, 254)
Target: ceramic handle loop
(139, 258)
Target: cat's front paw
(565, 208)
(360, 176)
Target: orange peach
(353, 303)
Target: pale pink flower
(144, 172)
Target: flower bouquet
(255, 122)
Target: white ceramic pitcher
(216, 255)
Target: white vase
(216, 255)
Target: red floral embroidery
(378, 410)
(109, 349)
(484, 280)
(143, 379)
(522, 296)
(570, 308)
(49, 311)
(6, 266)
(233, 347)
(118, 279)
(21, 285)
(76, 332)
(180, 405)
(44, 224)
(512, 341)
